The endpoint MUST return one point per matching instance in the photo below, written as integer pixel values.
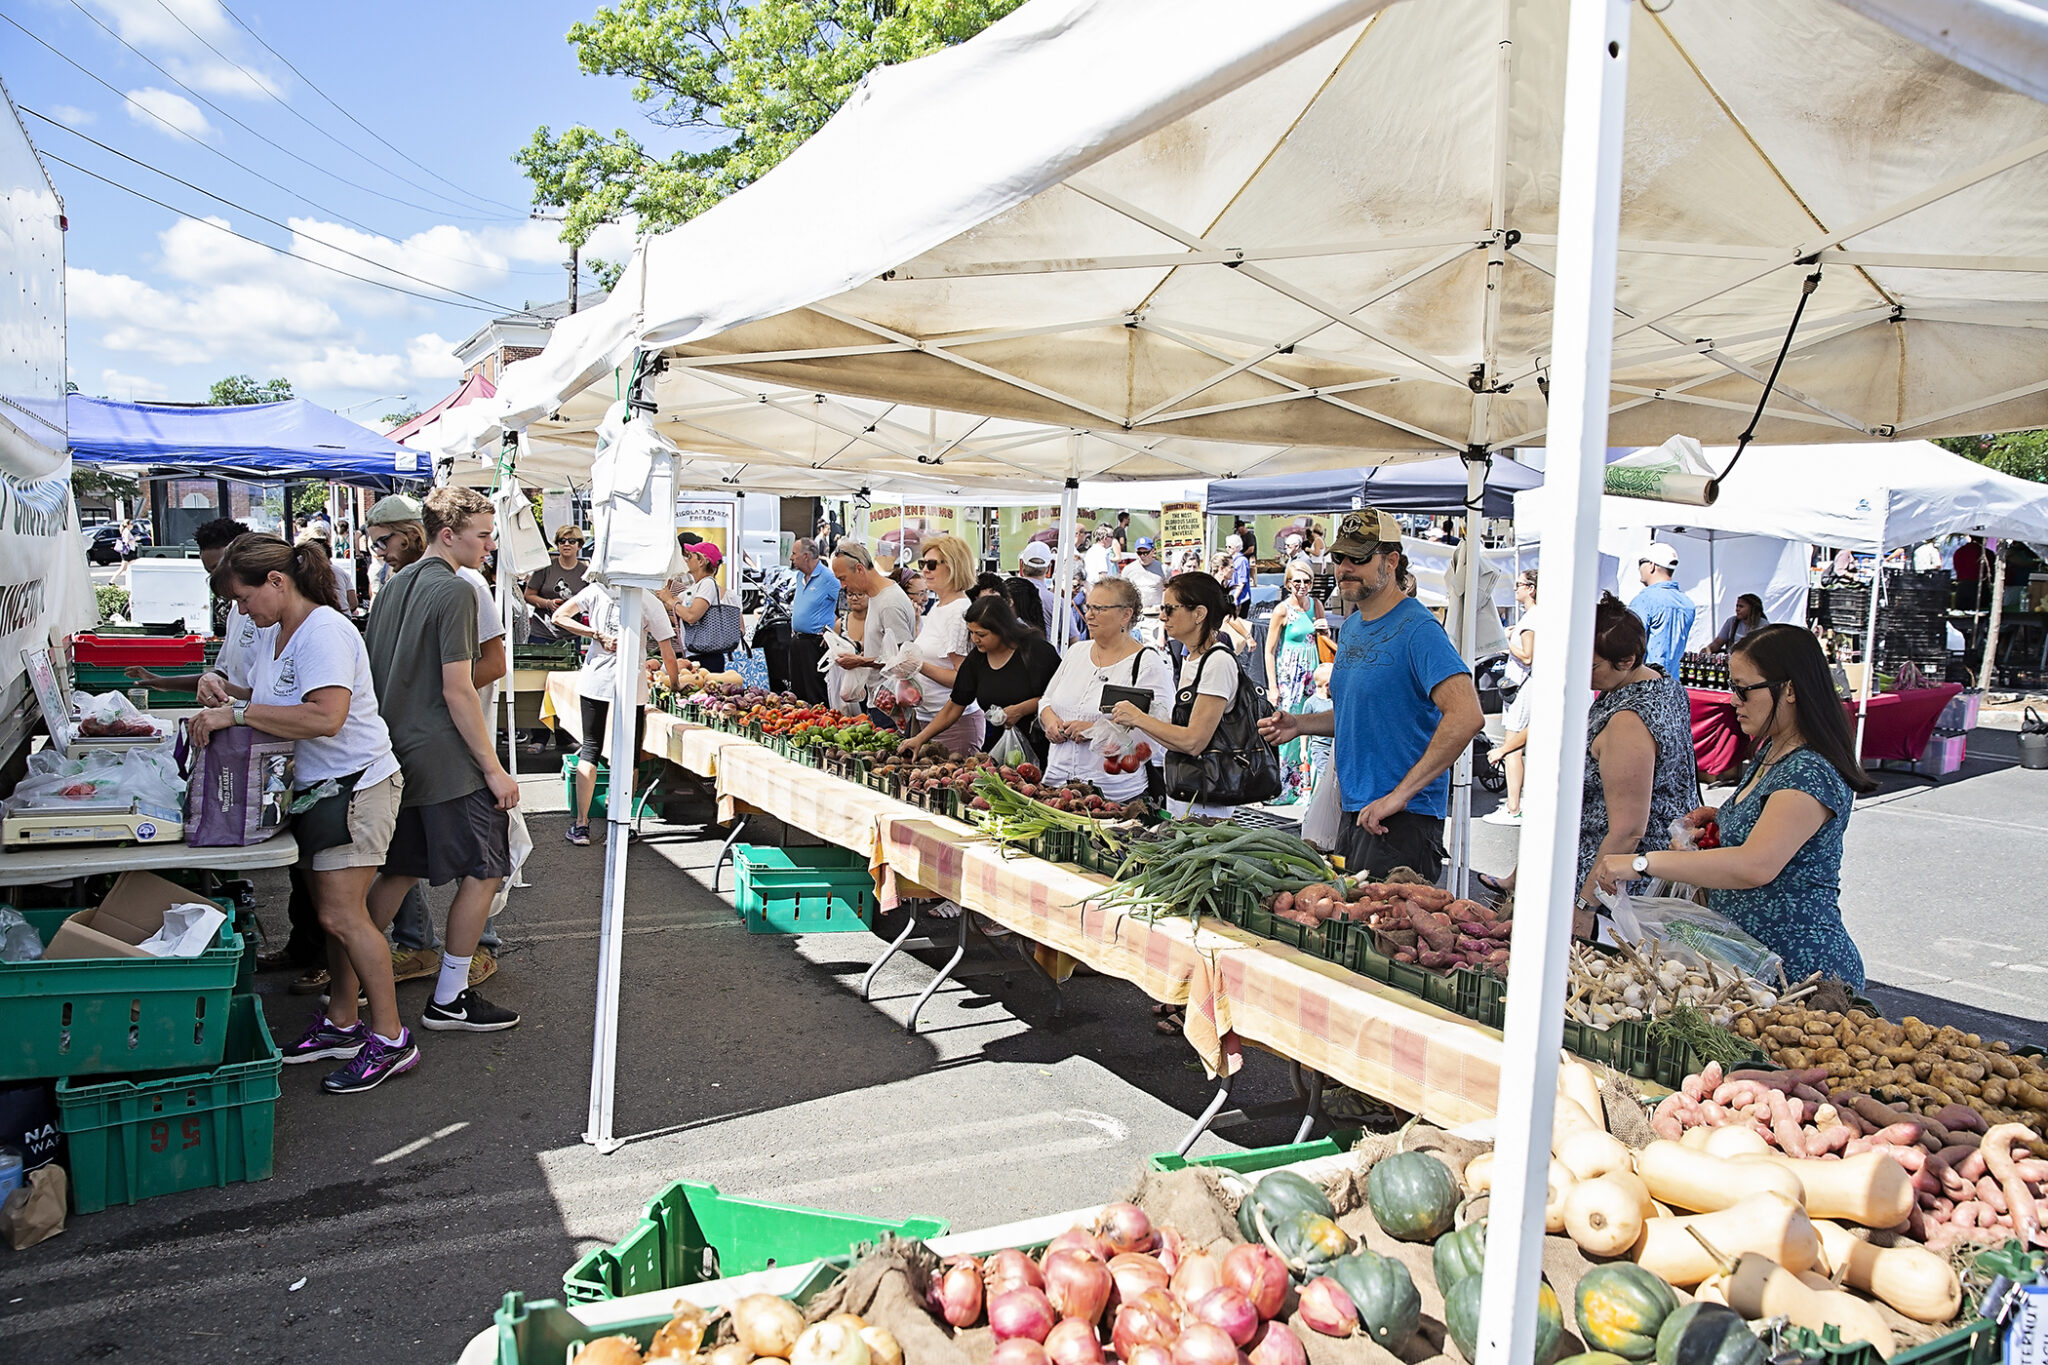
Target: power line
(269, 142)
(261, 217)
(279, 186)
(480, 198)
(287, 106)
(257, 241)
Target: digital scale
(86, 821)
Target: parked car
(105, 546)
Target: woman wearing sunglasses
(1778, 869)
(943, 641)
(1072, 705)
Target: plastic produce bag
(189, 930)
(145, 779)
(846, 689)
(1123, 748)
(1323, 824)
(112, 715)
(19, 941)
(1693, 934)
(1012, 749)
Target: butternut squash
(1586, 1154)
(1768, 1224)
(1706, 1184)
(1761, 1288)
(1735, 1140)
(1870, 1188)
(1568, 1118)
(1479, 1173)
(1696, 1138)
(1912, 1279)
(1713, 1289)
(1576, 1080)
(1560, 1187)
(1659, 1210)
(1605, 1214)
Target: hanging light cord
(1806, 288)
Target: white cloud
(345, 367)
(73, 115)
(154, 28)
(433, 357)
(131, 388)
(167, 107)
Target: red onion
(1199, 1272)
(1134, 1273)
(1276, 1344)
(1077, 1239)
(960, 1295)
(1019, 1351)
(1011, 1269)
(1021, 1312)
(1077, 1284)
(1259, 1275)
(1230, 1310)
(1149, 1355)
(1151, 1319)
(1203, 1344)
(1170, 1249)
(1327, 1308)
(1125, 1227)
(1073, 1342)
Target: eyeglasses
(1742, 690)
(379, 542)
(1092, 607)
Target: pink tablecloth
(1898, 727)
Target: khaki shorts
(372, 815)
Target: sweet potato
(1439, 937)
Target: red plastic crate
(148, 651)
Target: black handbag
(1239, 766)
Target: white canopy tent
(1338, 223)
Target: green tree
(399, 419)
(751, 79)
(239, 389)
(2022, 454)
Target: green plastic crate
(1256, 1159)
(95, 1016)
(691, 1233)
(543, 1333)
(820, 892)
(1979, 1343)
(643, 779)
(150, 1135)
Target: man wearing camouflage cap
(1403, 707)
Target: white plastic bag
(188, 931)
(1692, 933)
(1323, 824)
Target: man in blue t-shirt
(1403, 708)
(812, 610)
(1664, 608)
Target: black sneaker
(468, 1013)
(376, 1063)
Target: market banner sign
(716, 520)
(1180, 523)
(894, 532)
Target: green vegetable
(1389, 1308)
(1459, 1253)
(1278, 1197)
(1687, 1025)
(1708, 1334)
(1620, 1308)
(1186, 867)
(1414, 1197)
(1461, 1319)
(1309, 1242)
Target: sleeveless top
(1798, 913)
(1661, 705)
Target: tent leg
(1468, 645)
(1870, 626)
(1582, 340)
(1063, 562)
(611, 930)
(1997, 621)
(867, 983)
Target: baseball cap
(1144, 542)
(706, 551)
(1364, 531)
(389, 511)
(1660, 554)
(1036, 555)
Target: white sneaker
(943, 910)
(1502, 816)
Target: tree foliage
(239, 389)
(748, 80)
(2022, 454)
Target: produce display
(1637, 981)
(1192, 868)
(1426, 925)
(1013, 805)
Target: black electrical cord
(1806, 289)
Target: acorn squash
(1620, 1307)
(1708, 1334)
(1389, 1308)
(1458, 1253)
(1278, 1197)
(1309, 1242)
(1593, 1358)
(1461, 1319)
(1414, 1197)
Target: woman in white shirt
(310, 682)
(943, 643)
(702, 560)
(1193, 614)
(594, 614)
(1072, 704)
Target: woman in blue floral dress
(1291, 660)
(1778, 870)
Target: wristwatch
(1641, 864)
(240, 711)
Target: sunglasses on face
(1354, 559)
(1742, 690)
(928, 564)
(379, 542)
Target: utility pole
(575, 253)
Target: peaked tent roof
(472, 388)
(259, 442)
(1417, 486)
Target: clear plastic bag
(103, 781)
(111, 715)
(1693, 933)
(19, 942)
(1323, 824)
(1122, 748)
(1012, 749)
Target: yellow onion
(829, 1343)
(883, 1348)
(1078, 1285)
(767, 1325)
(611, 1351)
(732, 1353)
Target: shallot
(1151, 1319)
(1134, 1273)
(1276, 1344)
(1327, 1308)
(960, 1295)
(1073, 1342)
(1202, 1344)
(1011, 1269)
(1125, 1227)
(1259, 1275)
(1019, 1351)
(1230, 1310)
(1198, 1273)
(1077, 1284)
(1023, 1312)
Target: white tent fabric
(1143, 216)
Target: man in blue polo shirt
(1403, 708)
(1665, 609)
(811, 614)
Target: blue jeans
(414, 927)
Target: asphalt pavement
(397, 1220)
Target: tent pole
(1476, 463)
(1063, 562)
(618, 815)
(1996, 621)
(1588, 232)
(1884, 502)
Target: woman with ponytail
(309, 681)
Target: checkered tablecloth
(689, 746)
(1238, 987)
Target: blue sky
(160, 306)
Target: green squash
(1279, 1196)
(1309, 1242)
(1593, 1358)
(1461, 1319)
(1620, 1308)
(1414, 1196)
(1459, 1253)
(1708, 1334)
(1389, 1308)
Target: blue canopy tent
(1434, 486)
(257, 443)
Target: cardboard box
(131, 912)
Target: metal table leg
(1315, 1105)
(1216, 1103)
(867, 983)
(959, 952)
(725, 851)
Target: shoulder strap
(1138, 661)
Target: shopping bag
(240, 788)
(1323, 824)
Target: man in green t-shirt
(452, 823)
